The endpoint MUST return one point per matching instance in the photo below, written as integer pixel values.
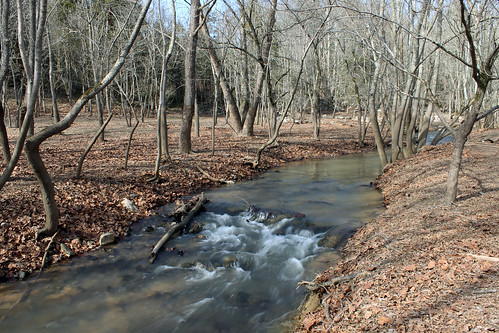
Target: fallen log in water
(177, 227)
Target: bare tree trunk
(4, 140)
(196, 116)
(215, 109)
(162, 88)
(4, 67)
(481, 76)
(435, 70)
(230, 103)
(32, 150)
(373, 113)
(32, 69)
(33, 143)
(91, 144)
(130, 143)
(190, 80)
(460, 138)
(100, 114)
(162, 130)
(55, 109)
(262, 69)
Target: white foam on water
(293, 269)
(162, 268)
(191, 309)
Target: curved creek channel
(239, 274)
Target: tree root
(47, 249)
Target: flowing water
(239, 274)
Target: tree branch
(491, 110)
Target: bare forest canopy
(400, 68)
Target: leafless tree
(4, 68)
(32, 145)
(190, 79)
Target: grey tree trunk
(373, 113)
(234, 115)
(262, 69)
(4, 68)
(55, 109)
(460, 138)
(190, 80)
(162, 130)
(4, 139)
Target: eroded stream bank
(239, 274)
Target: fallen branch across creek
(177, 227)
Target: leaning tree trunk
(460, 138)
(32, 151)
(230, 103)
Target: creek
(239, 274)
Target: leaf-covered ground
(420, 266)
(92, 205)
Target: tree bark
(460, 138)
(4, 139)
(32, 150)
(4, 67)
(130, 143)
(190, 80)
(55, 109)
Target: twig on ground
(207, 175)
(487, 258)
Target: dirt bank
(420, 266)
(92, 205)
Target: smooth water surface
(239, 274)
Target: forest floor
(420, 266)
(93, 204)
